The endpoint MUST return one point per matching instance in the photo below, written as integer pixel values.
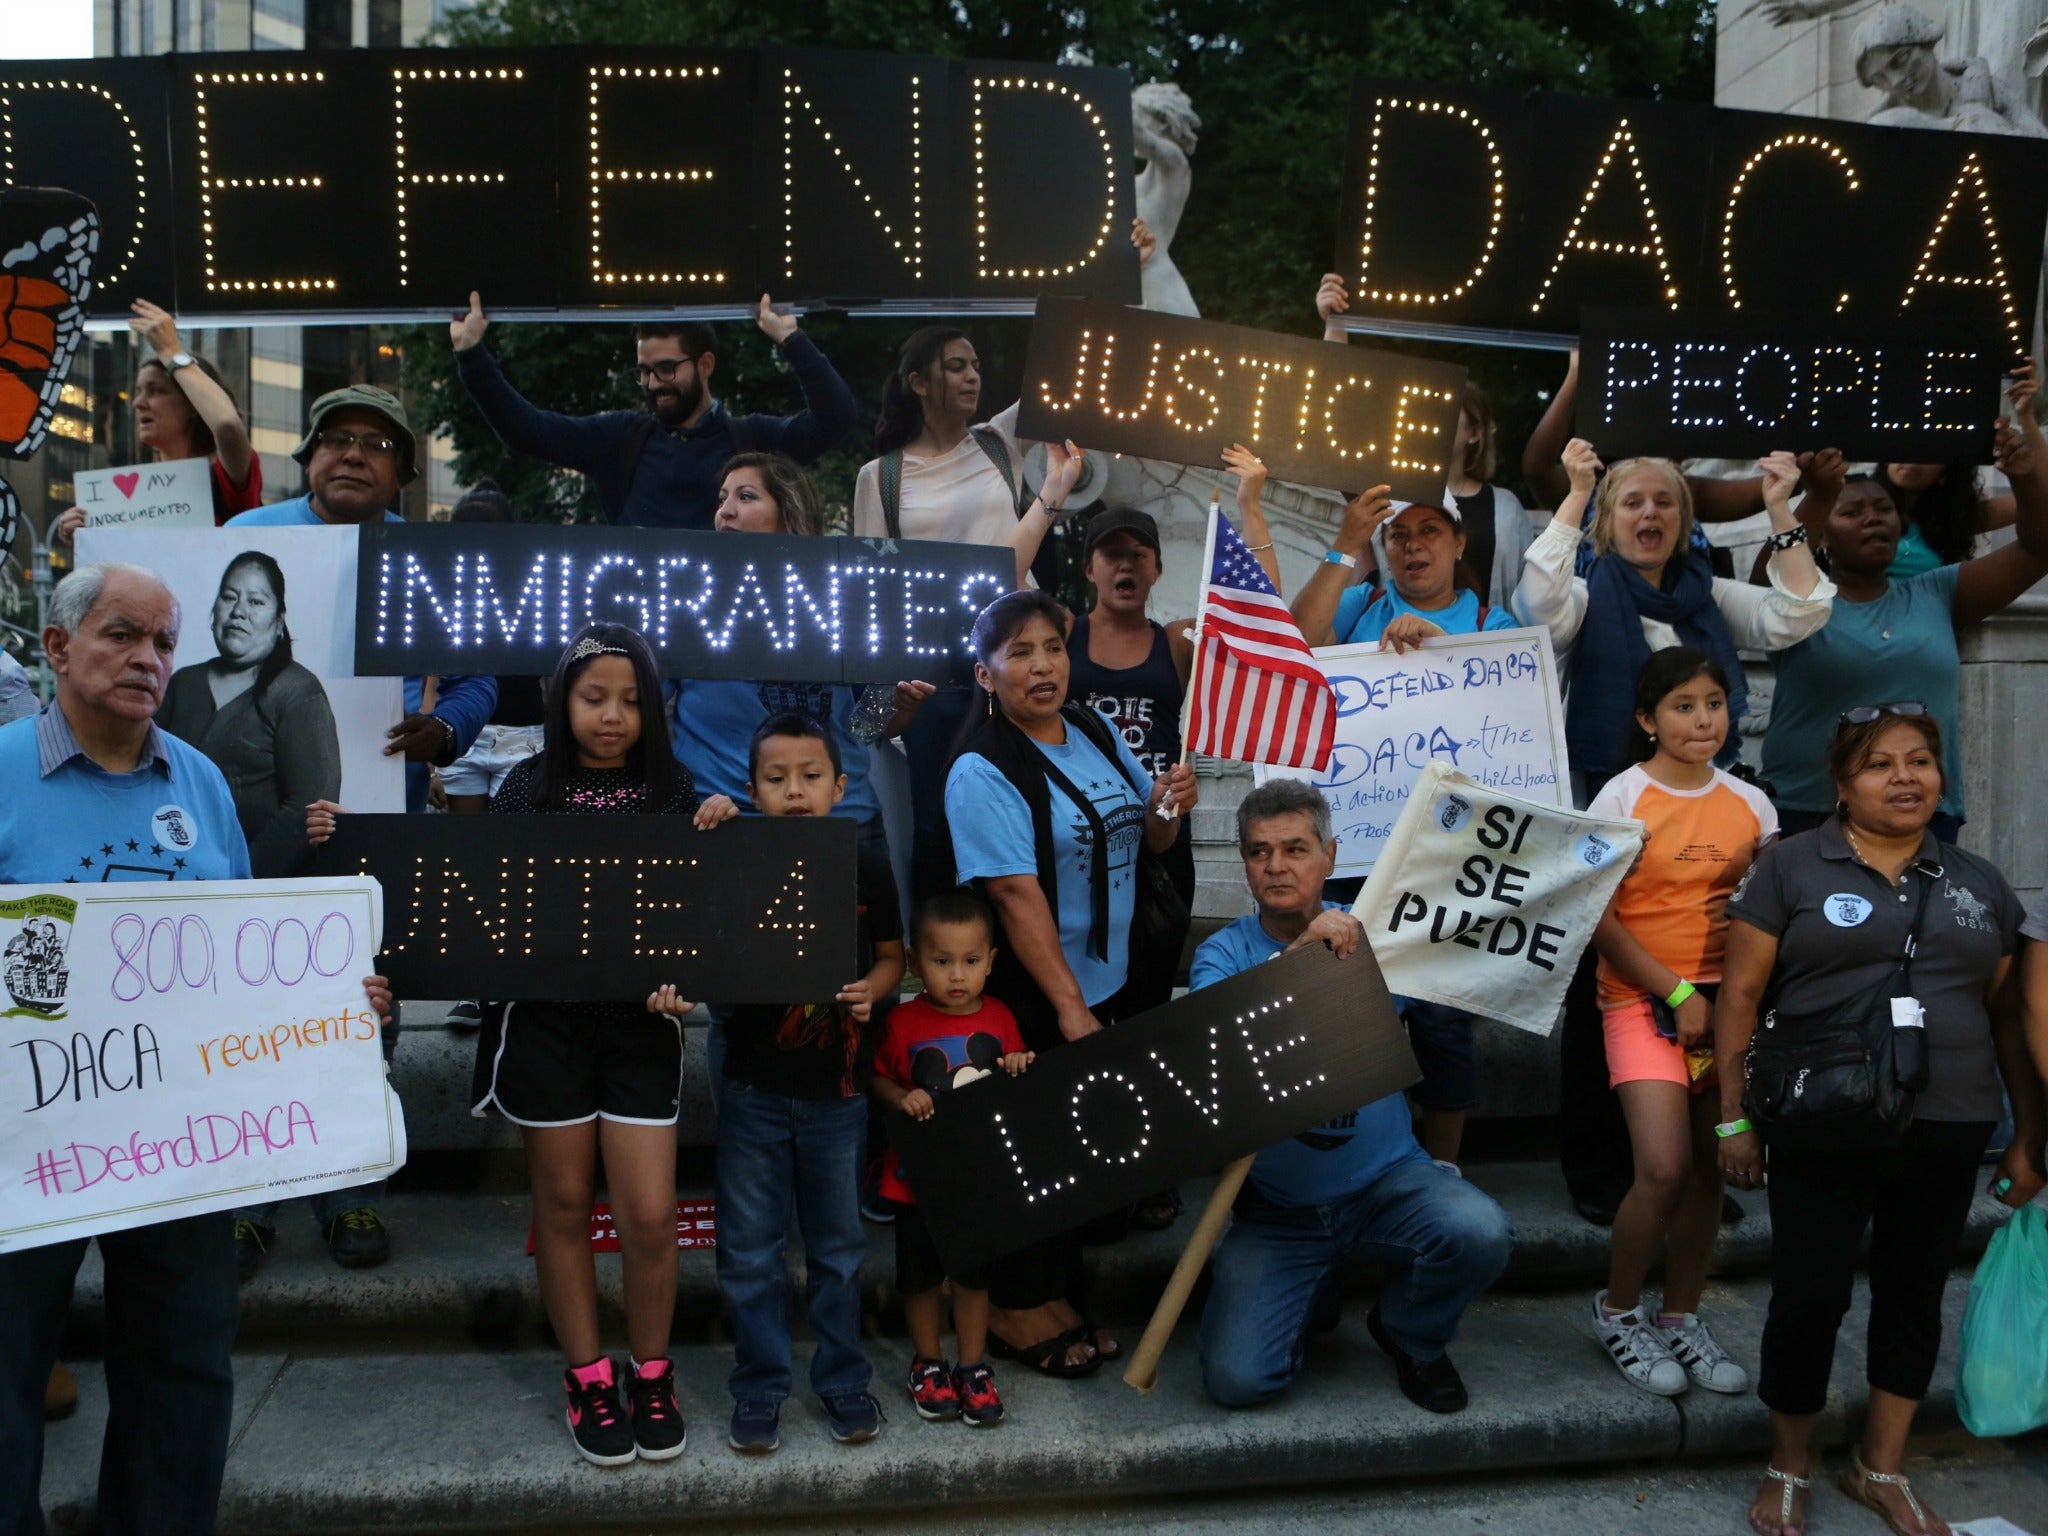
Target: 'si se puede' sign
(1168, 387)
(1885, 389)
(186, 1049)
(1488, 704)
(506, 600)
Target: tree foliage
(1272, 80)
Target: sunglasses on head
(1863, 714)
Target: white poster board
(177, 493)
(1487, 704)
(186, 1047)
(319, 570)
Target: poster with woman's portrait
(261, 680)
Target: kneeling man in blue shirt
(1359, 1184)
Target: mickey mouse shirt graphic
(942, 1053)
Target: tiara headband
(590, 646)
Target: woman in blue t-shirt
(1047, 808)
(1428, 593)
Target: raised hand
(465, 331)
(1781, 477)
(1143, 238)
(1362, 518)
(1331, 299)
(666, 1000)
(775, 325)
(1249, 468)
(1062, 469)
(155, 326)
(1583, 465)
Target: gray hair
(1284, 797)
(79, 593)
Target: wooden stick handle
(1143, 1371)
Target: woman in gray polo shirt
(1818, 923)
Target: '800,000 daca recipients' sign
(185, 1048)
(1487, 704)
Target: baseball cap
(366, 397)
(1120, 520)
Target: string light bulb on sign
(792, 96)
(984, 85)
(1972, 176)
(211, 180)
(1623, 142)
(1499, 190)
(7, 172)
(600, 177)
(409, 178)
(1828, 147)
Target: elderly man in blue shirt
(1359, 1184)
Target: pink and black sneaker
(931, 1390)
(602, 1432)
(981, 1406)
(658, 1428)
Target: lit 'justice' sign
(352, 181)
(505, 600)
(608, 908)
(1168, 387)
(1508, 212)
(1285, 1048)
(1897, 391)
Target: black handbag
(1844, 1080)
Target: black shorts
(918, 1265)
(542, 1066)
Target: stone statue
(1993, 82)
(1164, 128)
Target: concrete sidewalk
(418, 1442)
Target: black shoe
(659, 1432)
(358, 1239)
(252, 1245)
(602, 1432)
(1432, 1384)
(467, 1014)
(1731, 1211)
(1598, 1209)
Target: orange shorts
(1636, 1053)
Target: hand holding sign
(777, 325)
(1362, 518)
(465, 331)
(1582, 466)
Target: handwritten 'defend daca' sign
(184, 1050)
(1487, 704)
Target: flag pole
(1187, 752)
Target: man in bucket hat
(358, 453)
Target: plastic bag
(2002, 1388)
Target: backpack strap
(991, 443)
(892, 492)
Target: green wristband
(1729, 1128)
(1679, 993)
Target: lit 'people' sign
(1534, 205)
(1896, 391)
(598, 908)
(352, 182)
(505, 600)
(1234, 1068)
(1168, 387)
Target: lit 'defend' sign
(507, 599)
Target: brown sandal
(1793, 1486)
(1856, 1484)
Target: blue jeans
(1452, 1239)
(775, 1151)
(172, 1307)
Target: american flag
(1258, 695)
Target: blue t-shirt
(1339, 1157)
(171, 819)
(991, 827)
(714, 720)
(296, 513)
(1364, 612)
(1915, 557)
(1898, 646)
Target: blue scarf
(1599, 711)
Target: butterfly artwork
(48, 239)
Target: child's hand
(917, 1104)
(1017, 1061)
(711, 811)
(666, 1000)
(1582, 464)
(377, 991)
(859, 999)
(320, 820)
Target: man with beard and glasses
(659, 468)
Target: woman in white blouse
(1647, 588)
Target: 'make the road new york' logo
(33, 965)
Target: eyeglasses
(375, 445)
(664, 371)
(1863, 714)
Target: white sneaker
(1638, 1350)
(1694, 1346)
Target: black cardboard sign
(1178, 1090)
(506, 599)
(1168, 387)
(647, 179)
(607, 908)
(1893, 391)
(1506, 212)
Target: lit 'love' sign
(1168, 387)
(1178, 1090)
(506, 600)
(608, 908)
(1507, 212)
(651, 179)
(1889, 390)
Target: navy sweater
(676, 483)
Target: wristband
(1778, 543)
(1729, 1128)
(1679, 993)
(1338, 557)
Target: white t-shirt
(958, 496)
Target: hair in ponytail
(902, 415)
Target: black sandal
(1155, 1213)
(1048, 1357)
(1091, 1335)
